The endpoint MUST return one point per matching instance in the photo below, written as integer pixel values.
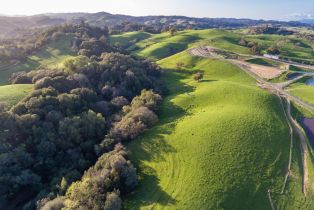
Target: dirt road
(297, 128)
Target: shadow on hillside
(152, 146)
(208, 80)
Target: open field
(302, 91)
(126, 39)
(291, 47)
(12, 94)
(159, 46)
(51, 56)
(220, 143)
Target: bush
(134, 123)
(147, 99)
(55, 204)
(113, 201)
(273, 51)
(198, 76)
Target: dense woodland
(61, 146)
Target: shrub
(134, 123)
(147, 99)
(55, 204)
(198, 76)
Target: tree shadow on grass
(152, 146)
(208, 80)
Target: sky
(255, 9)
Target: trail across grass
(220, 144)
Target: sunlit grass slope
(126, 39)
(220, 143)
(51, 56)
(159, 46)
(302, 91)
(291, 47)
(12, 94)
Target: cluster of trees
(273, 51)
(255, 48)
(198, 76)
(100, 187)
(269, 29)
(133, 26)
(72, 118)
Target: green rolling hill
(221, 143)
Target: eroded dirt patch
(264, 72)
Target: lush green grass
(290, 46)
(12, 94)
(220, 143)
(293, 197)
(302, 91)
(160, 46)
(163, 45)
(51, 56)
(127, 39)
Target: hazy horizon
(253, 9)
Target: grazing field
(290, 47)
(220, 143)
(126, 39)
(302, 91)
(51, 56)
(12, 94)
(158, 46)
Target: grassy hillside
(50, 56)
(160, 46)
(126, 39)
(220, 144)
(302, 91)
(11, 94)
(290, 47)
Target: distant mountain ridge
(10, 25)
(307, 21)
